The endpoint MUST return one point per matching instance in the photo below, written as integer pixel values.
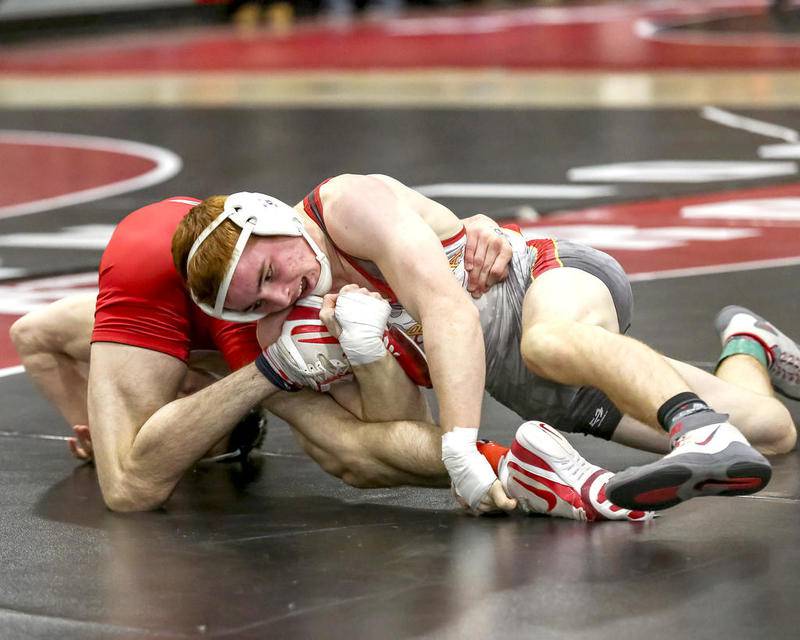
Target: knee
(545, 347)
(343, 459)
(364, 473)
(27, 335)
(779, 435)
(784, 435)
(357, 468)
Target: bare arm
(366, 218)
(382, 391)
(144, 440)
(379, 219)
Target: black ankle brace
(678, 407)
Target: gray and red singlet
(508, 380)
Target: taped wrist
(470, 472)
(271, 374)
(363, 321)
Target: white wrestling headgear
(261, 215)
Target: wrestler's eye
(268, 274)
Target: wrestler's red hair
(211, 260)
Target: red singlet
(143, 301)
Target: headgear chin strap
(261, 215)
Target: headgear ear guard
(261, 215)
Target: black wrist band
(263, 365)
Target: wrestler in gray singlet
(508, 380)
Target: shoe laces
(580, 467)
(787, 367)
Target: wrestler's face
(272, 274)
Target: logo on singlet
(455, 259)
(599, 415)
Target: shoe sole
(666, 483)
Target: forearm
(181, 432)
(144, 439)
(456, 357)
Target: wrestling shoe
(783, 353)
(547, 475)
(710, 460)
(307, 355)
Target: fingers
(479, 229)
(75, 449)
(82, 431)
(83, 442)
(494, 501)
(498, 270)
(479, 257)
(81, 446)
(354, 288)
(469, 252)
(489, 254)
(492, 251)
(500, 499)
(328, 316)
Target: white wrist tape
(471, 473)
(363, 321)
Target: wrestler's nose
(275, 298)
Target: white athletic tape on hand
(471, 473)
(363, 321)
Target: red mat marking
(35, 291)
(775, 239)
(578, 38)
(35, 172)
(8, 356)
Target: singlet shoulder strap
(312, 205)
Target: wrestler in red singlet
(143, 301)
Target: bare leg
(363, 454)
(745, 393)
(575, 340)
(572, 343)
(762, 418)
(638, 435)
(53, 344)
(746, 373)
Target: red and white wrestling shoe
(547, 475)
(306, 354)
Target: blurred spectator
(277, 14)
